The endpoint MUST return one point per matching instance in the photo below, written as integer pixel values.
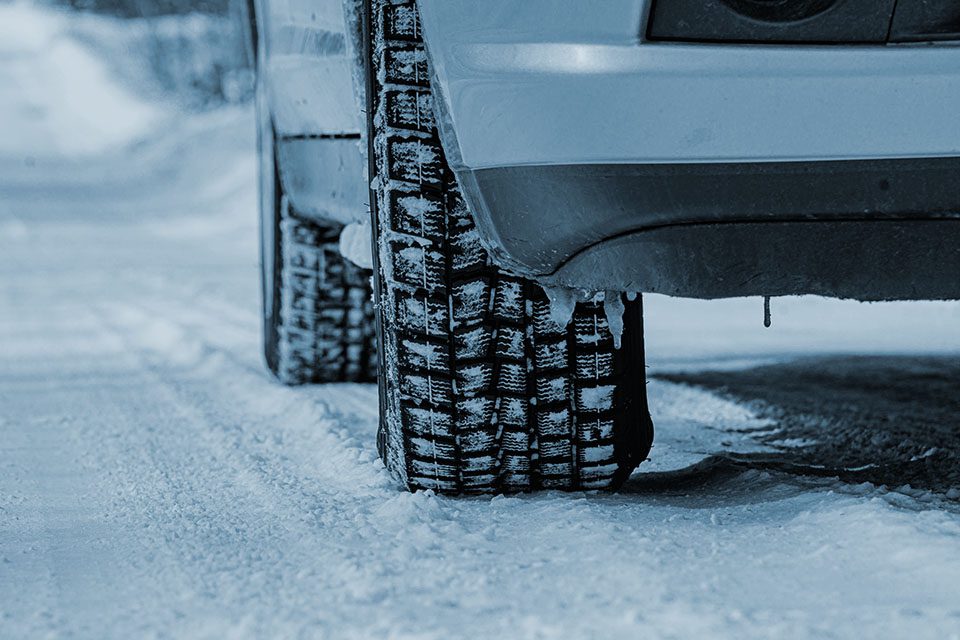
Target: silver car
(468, 198)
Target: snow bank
(57, 97)
(198, 61)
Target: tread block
(470, 302)
(426, 388)
(516, 447)
(597, 477)
(509, 302)
(427, 421)
(511, 344)
(555, 449)
(474, 379)
(432, 448)
(513, 378)
(479, 441)
(475, 414)
(401, 22)
(594, 366)
(419, 266)
(419, 214)
(422, 315)
(407, 65)
(600, 455)
(467, 252)
(592, 429)
(552, 389)
(473, 343)
(551, 356)
(543, 323)
(595, 398)
(416, 160)
(410, 109)
(557, 423)
(423, 355)
(429, 474)
(513, 412)
(558, 481)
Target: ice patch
(792, 443)
(356, 243)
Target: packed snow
(356, 243)
(155, 482)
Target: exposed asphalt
(887, 420)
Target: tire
(481, 391)
(323, 322)
(318, 318)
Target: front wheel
(481, 391)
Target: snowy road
(154, 482)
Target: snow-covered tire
(324, 319)
(481, 391)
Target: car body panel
(313, 96)
(324, 177)
(569, 82)
(556, 113)
(309, 67)
(543, 215)
(566, 128)
(310, 83)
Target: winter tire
(481, 391)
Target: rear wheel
(481, 391)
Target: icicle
(767, 320)
(563, 302)
(613, 308)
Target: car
(467, 200)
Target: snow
(155, 482)
(596, 397)
(57, 96)
(356, 243)
(730, 333)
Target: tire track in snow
(301, 515)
